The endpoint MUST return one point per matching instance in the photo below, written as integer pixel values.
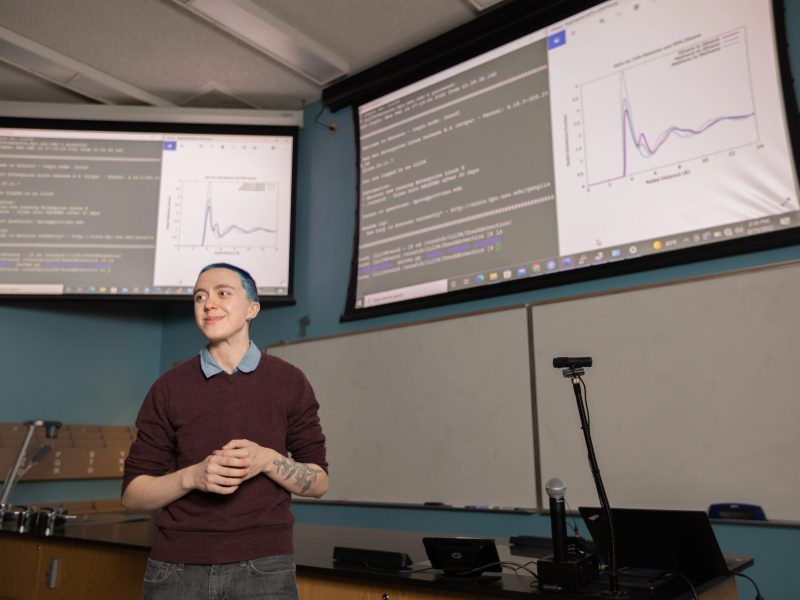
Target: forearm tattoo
(304, 476)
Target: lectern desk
(104, 556)
(320, 579)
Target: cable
(329, 126)
(585, 401)
(598, 480)
(524, 567)
(480, 569)
(687, 580)
(753, 581)
(521, 567)
(575, 531)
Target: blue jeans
(271, 577)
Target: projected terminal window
(424, 208)
(64, 215)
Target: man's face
(221, 306)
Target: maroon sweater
(185, 417)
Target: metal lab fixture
(17, 472)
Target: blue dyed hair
(248, 283)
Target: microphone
(558, 517)
(560, 571)
(566, 362)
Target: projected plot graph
(229, 214)
(680, 105)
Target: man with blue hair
(223, 441)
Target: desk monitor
(680, 541)
(463, 557)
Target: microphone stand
(573, 373)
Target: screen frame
(124, 125)
(505, 24)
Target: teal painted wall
(87, 363)
(93, 363)
(77, 363)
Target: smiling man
(223, 440)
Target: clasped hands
(224, 470)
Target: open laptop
(679, 541)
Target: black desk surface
(314, 550)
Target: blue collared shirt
(248, 363)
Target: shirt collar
(248, 363)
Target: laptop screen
(680, 541)
(462, 556)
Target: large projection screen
(626, 133)
(106, 209)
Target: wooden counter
(104, 556)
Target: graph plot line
(208, 230)
(636, 143)
(216, 230)
(640, 141)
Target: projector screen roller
(132, 209)
(626, 133)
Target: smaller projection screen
(632, 134)
(101, 209)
